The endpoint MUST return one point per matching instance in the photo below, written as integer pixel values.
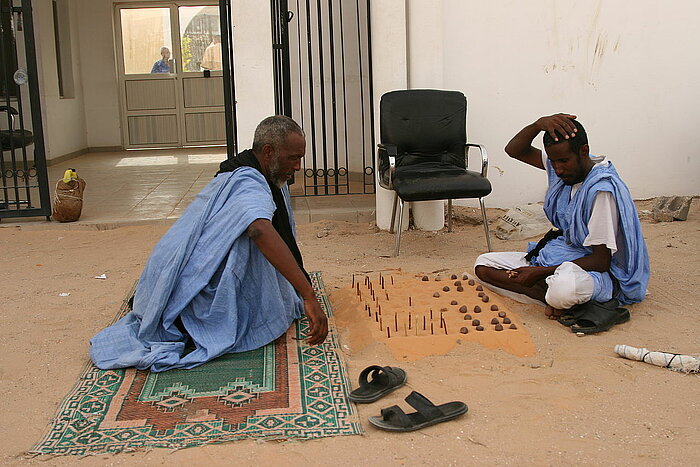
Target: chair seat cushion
(427, 182)
(15, 138)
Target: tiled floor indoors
(155, 186)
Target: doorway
(170, 74)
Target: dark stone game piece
(476, 322)
(425, 278)
(464, 330)
(494, 321)
(513, 326)
(479, 328)
(457, 283)
(471, 282)
(477, 309)
(467, 316)
(436, 294)
(481, 294)
(453, 276)
(453, 302)
(501, 314)
(485, 298)
(463, 309)
(446, 289)
(494, 307)
(479, 287)
(498, 327)
(464, 277)
(460, 289)
(506, 320)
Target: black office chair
(423, 154)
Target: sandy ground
(574, 402)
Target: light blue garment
(207, 271)
(629, 265)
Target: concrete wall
(64, 119)
(628, 69)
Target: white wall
(98, 72)
(64, 119)
(252, 48)
(629, 70)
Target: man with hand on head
(228, 275)
(596, 255)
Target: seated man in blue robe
(597, 253)
(228, 275)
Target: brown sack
(68, 200)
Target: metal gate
(24, 189)
(323, 79)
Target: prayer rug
(286, 389)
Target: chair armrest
(484, 157)
(387, 162)
(8, 108)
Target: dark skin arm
(277, 253)
(520, 146)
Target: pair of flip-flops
(593, 317)
(376, 382)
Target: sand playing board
(427, 314)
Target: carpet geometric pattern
(286, 389)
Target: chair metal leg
(449, 215)
(398, 231)
(486, 224)
(393, 213)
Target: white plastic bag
(521, 222)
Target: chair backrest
(425, 125)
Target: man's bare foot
(552, 313)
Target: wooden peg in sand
(396, 322)
(388, 333)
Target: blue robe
(207, 271)
(629, 265)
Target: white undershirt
(603, 224)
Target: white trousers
(569, 285)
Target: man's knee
(568, 286)
(480, 272)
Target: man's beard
(275, 175)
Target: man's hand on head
(318, 323)
(558, 123)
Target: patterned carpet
(286, 389)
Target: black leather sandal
(383, 381)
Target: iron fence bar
(362, 91)
(301, 86)
(322, 98)
(227, 61)
(371, 99)
(5, 8)
(35, 103)
(345, 99)
(312, 110)
(333, 94)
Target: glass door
(170, 79)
